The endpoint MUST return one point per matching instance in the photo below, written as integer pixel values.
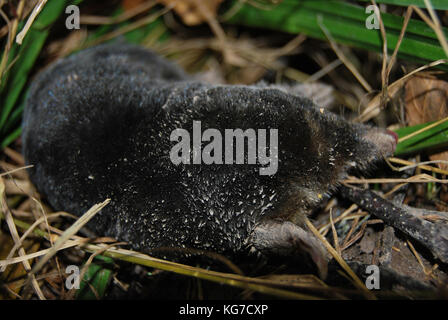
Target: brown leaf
(192, 11)
(131, 4)
(426, 100)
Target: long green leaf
(22, 58)
(347, 24)
(437, 4)
(98, 277)
(11, 137)
(28, 53)
(432, 139)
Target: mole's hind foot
(284, 238)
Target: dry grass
(55, 238)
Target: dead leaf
(189, 11)
(131, 4)
(426, 100)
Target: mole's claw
(284, 238)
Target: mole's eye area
(384, 140)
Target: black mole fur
(97, 125)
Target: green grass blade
(23, 57)
(136, 36)
(15, 117)
(437, 4)
(11, 137)
(51, 12)
(28, 53)
(98, 277)
(433, 139)
(346, 23)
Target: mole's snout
(393, 134)
(385, 140)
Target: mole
(99, 124)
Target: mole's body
(97, 125)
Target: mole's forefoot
(284, 238)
